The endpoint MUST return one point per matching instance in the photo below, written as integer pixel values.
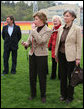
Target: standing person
(68, 53)
(52, 42)
(38, 54)
(11, 35)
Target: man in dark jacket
(11, 35)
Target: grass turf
(15, 89)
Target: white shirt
(10, 29)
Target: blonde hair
(56, 16)
(42, 16)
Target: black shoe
(5, 72)
(43, 99)
(52, 78)
(31, 98)
(13, 72)
(68, 101)
(62, 98)
(59, 78)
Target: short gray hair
(73, 14)
(56, 16)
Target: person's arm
(19, 33)
(39, 38)
(28, 42)
(3, 33)
(56, 48)
(79, 45)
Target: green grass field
(15, 89)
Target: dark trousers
(66, 68)
(38, 66)
(6, 59)
(54, 69)
(59, 71)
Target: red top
(52, 40)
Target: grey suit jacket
(40, 47)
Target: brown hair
(42, 16)
(11, 18)
(73, 14)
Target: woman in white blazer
(68, 53)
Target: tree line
(20, 10)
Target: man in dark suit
(11, 35)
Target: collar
(57, 27)
(11, 26)
(41, 26)
(68, 26)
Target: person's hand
(52, 28)
(56, 59)
(25, 44)
(77, 62)
(33, 26)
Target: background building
(59, 10)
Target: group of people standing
(65, 42)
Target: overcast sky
(70, 2)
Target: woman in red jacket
(52, 42)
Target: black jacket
(11, 41)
